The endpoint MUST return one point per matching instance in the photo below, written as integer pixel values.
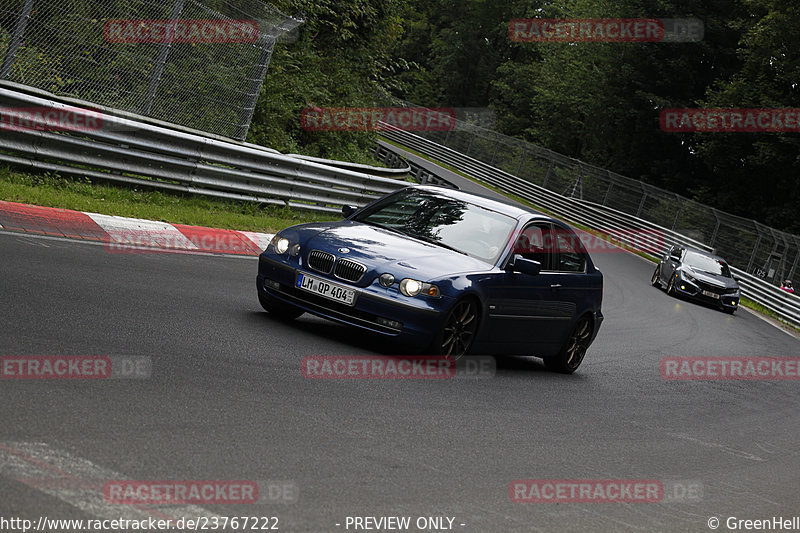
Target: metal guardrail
(122, 150)
(594, 216)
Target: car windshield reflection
(707, 264)
(447, 222)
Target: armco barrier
(134, 152)
(787, 306)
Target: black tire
(458, 330)
(654, 281)
(571, 355)
(671, 286)
(729, 310)
(277, 308)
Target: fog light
(387, 280)
(294, 251)
(271, 284)
(394, 324)
(683, 287)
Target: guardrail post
(161, 60)
(16, 39)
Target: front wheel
(571, 355)
(458, 331)
(671, 286)
(654, 281)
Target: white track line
(78, 482)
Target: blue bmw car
(444, 271)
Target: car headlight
(687, 276)
(280, 244)
(412, 287)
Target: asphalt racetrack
(226, 400)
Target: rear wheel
(571, 355)
(277, 308)
(458, 331)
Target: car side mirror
(526, 266)
(348, 210)
(675, 257)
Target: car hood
(711, 279)
(382, 250)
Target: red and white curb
(122, 234)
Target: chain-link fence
(765, 252)
(197, 63)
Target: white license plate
(325, 288)
(711, 294)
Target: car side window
(570, 252)
(536, 242)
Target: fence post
(716, 229)
(547, 176)
(496, 147)
(16, 39)
(259, 73)
(161, 60)
(474, 134)
(608, 191)
(753, 255)
(678, 214)
(521, 161)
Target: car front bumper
(691, 290)
(376, 309)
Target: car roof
(513, 210)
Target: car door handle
(555, 285)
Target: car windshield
(447, 222)
(707, 264)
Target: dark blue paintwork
(518, 313)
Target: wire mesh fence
(765, 252)
(197, 63)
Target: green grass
(742, 301)
(51, 190)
